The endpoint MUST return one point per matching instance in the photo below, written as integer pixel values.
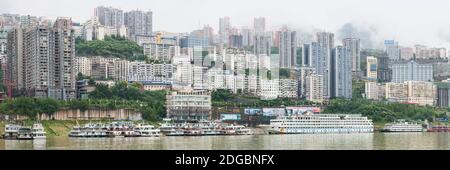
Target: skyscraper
(139, 22)
(109, 16)
(37, 54)
(224, 29)
(262, 45)
(62, 60)
(354, 47)
(341, 73)
(42, 60)
(392, 49)
(16, 63)
(372, 68)
(259, 25)
(321, 58)
(288, 48)
(306, 55)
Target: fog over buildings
(408, 21)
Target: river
(368, 141)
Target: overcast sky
(408, 21)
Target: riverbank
(63, 127)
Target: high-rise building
(288, 48)
(262, 45)
(372, 68)
(224, 29)
(109, 16)
(411, 71)
(314, 88)
(321, 59)
(41, 59)
(392, 49)
(247, 37)
(302, 73)
(406, 53)
(384, 69)
(235, 41)
(354, 47)
(341, 73)
(16, 62)
(306, 55)
(443, 94)
(288, 88)
(374, 91)
(38, 61)
(62, 60)
(259, 25)
(139, 22)
(413, 92)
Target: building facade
(193, 105)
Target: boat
(175, 132)
(242, 130)
(319, 123)
(402, 126)
(208, 128)
(167, 126)
(120, 129)
(144, 130)
(89, 130)
(439, 128)
(11, 131)
(38, 131)
(25, 133)
(77, 132)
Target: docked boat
(320, 123)
(402, 126)
(11, 131)
(77, 132)
(174, 132)
(25, 133)
(439, 128)
(120, 129)
(167, 126)
(38, 131)
(144, 130)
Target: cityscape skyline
(374, 21)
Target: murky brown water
(390, 141)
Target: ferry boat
(167, 126)
(120, 129)
(77, 132)
(402, 126)
(25, 133)
(320, 123)
(38, 131)
(144, 130)
(209, 128)
(174, 132)
(439, 128)
(236, 130)
(11, 131)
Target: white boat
(167, 126)
(402, 126)
(77, 132)
(11, 131)
(242, 130)
(236, 130)
(320, 123)
(25, 133)
(144, 130)
(38, 131)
